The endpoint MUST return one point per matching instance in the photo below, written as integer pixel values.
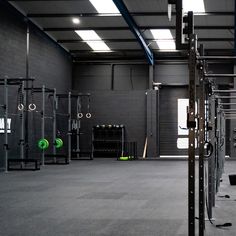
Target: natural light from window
(182, 140)
(182, 116)
(2, 125)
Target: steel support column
(191, 127)
(26, 138)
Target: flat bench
(23, 164)
(56, 159)
(81, 155)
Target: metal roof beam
(155, 50)
(135, 30)
(147, 39)
(58, 15)
(213, 27)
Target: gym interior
(117, 117)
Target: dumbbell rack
(108, 140)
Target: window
(2, 126)
(182, 116)
(182, 140)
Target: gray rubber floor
(104, 197)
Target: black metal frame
(191, 123)
(201, 122)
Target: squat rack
(43, 91)
(197, 73)
(216, 127)
(6, 82)
(55, 154)
(79, 115)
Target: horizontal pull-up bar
(226, 97)
(224, 91)
(39, 90)
(227, 104)
(230, 112)
(219, 75)
(73, 95)
(216, 57)
(17, 79)
(14, 81)
(228, 109)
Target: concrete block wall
(49, 64)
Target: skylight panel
(93, 40)
(193, 5)
(104, 6)
(164, 39)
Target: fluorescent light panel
(93, 40)
(104, 6)
(164, 39)
(193, 5)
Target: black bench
(23, 164)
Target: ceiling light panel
(193, 5)
(104, 6)
(161, 34)
(164, 39)
(88, 34)
(166, 44)
(93, 40)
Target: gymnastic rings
(32, 107)
(20, 107)
(80, 115)
(88, 115)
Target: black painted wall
(130, 78)
(126, 104)
(116, 107)
(49, 64)
(99, 77)
(126, 78)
